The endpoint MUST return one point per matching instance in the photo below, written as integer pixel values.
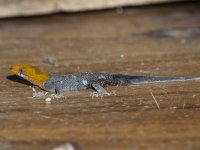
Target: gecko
(58, 84)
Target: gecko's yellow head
(30, 73)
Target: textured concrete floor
(160, 40)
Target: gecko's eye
(21, 70)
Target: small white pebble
(121, 56)
(173, 107)
(69, 146)
(48, 99)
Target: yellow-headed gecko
(78, 81)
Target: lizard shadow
(18, 79)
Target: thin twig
(154, 99)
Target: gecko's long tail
(126, 79)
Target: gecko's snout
(17, 69)
(14, 69)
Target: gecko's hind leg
(100, 91)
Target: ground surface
(159, 40)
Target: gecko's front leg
(58, 94)
(38, 94)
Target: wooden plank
(162, 41)
(14, 8)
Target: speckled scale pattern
(78, 81)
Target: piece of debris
(68, 146)
(175, 33)
(48, 99)
(155, 100)
(51, 61)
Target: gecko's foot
(99, 94)
(38, 94)
(57, 96)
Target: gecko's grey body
(96, 81)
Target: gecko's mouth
(22, 75)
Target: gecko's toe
(57, 96)
(94, 94)
(100, 94)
